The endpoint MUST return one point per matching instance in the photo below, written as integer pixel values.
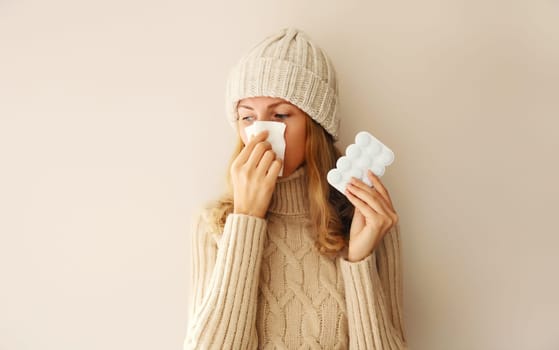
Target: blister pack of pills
(366, 153)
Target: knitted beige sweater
(262, 284)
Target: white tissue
(276, 131)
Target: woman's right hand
(254, 173)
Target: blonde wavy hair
(330, 211)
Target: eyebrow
(270, 106)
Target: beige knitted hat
(289, 66)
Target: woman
(288, 261)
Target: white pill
(378, 169)
(364, 161)
(343, 163)
(346, 177)
(355, 172)
(334, 176)
(353, 151)
(374, 148)
(377, 162)
(362, 139)
(387, 156)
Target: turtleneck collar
(290, 196)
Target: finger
(363, 207)
(247, 150)
(380, 187)
(380, 194)
(274, 169)
(359, 183)
(369, 189)
(265, 162)
(257, 153)
(372, 199)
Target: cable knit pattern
(261, 284)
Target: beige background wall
(112, 132)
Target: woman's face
(279, 110)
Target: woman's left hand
(374, 216)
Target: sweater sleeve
(224, 284)
(374, 293)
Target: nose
(264, 117)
